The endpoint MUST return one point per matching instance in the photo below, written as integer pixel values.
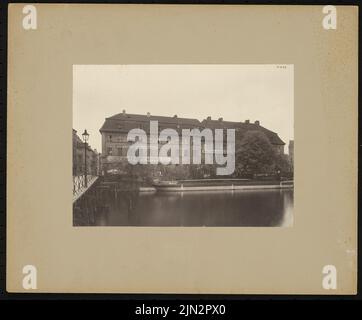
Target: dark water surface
(255, 208)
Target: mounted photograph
(183, 145)
(151, 150)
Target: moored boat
(220, 184)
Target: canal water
(254, 208)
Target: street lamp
(85, 136)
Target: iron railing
(79, 184)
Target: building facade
(93, 158)
(115, 129)
(242, 127)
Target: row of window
(120, 138)
(118, 151)
(124, 138)
(122, 151)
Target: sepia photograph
(183, 145)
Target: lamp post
(85, 136)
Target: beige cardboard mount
(181, 260)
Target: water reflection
(256, 208)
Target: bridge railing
(79, 185)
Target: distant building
(291, 152)
(79, 160)
(115, 129)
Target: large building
(115, 129)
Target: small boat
(219, 184)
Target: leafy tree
(254, 154)
(281, 162)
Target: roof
(243, 127)
(124, 122)
(76, 140)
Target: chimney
(209, 118)
(257, 122)
(175, 116)
(247, 121)
(148, 115)
(220, 119)
(124, 111)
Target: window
(109, 151)
(119, 151)
(110, 138)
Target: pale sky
(233, 92)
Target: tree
(283, 164)
(254, 154)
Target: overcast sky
(233, 92)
